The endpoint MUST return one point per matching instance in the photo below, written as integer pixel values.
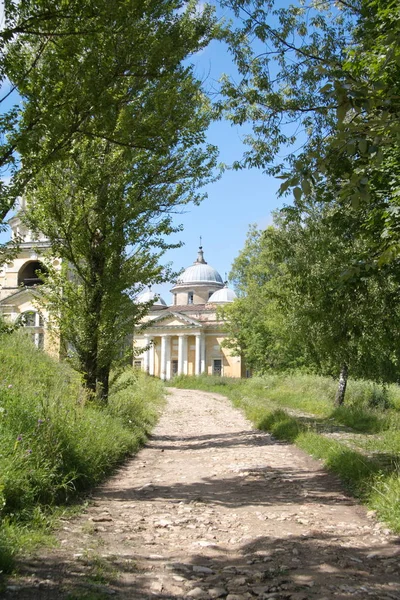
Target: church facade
(186, 337)
(20, 284)
(183, 338)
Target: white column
(146, 355)
(202, 354)
(197, 355)
(163, 367)
(151, 357)
(181, 358)
(168, 356)
(185, 355)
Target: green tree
(76, 67)
(322, 79)
(308, 305)
(106, 206)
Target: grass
(54, 443)
(300, 409)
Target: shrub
(53, 442)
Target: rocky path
(214, 509)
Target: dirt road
(214, 509)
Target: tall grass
(53, 442)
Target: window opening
(190, 297)
(28, 274)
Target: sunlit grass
(54, 443)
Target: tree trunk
(341, 390)
(102, 384)
(89, 369)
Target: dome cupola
(199, 273)
(222, 296)
(150, 296)
(197, 283)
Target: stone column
(163, 366)
(151, 357)
(146, 355)
(202, 354)
(185, 355)
(168, 355)
(197, 355)
(181, 353)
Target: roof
(149, 296)
(199, 273)
(222, 296)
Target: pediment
(174, 320)
(20, 297)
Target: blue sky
(236, 200)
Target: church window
(190, 297)
(175, 299)
(29, 319)
(33, 321)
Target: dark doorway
(217, 367)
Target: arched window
(28, 273)
(33, 321)
(190, 297)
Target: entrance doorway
(217, 367)
(174, 367)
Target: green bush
(54, 443)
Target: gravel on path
(212, 508)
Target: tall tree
(305, 305)
(70, 62)
(321, 79)
(106, 203)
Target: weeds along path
(214, 509)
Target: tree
(71, 62)
(309, 308)
(106, 206)
(322, 80)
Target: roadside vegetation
(359, 441)
(54, 443)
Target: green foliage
(79, 77)
(302, 305)
(327, 89)
(54, 443)
(105, 199)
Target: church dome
(149, 296)
(222, 296)
(199, 273)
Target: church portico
(185, 338)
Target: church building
(20, 284)
(183, 338)
(186, 337)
